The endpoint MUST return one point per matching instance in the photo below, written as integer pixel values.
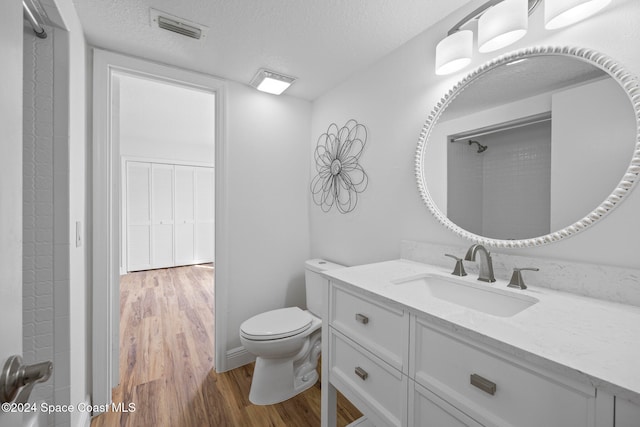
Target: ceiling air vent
(177, 25)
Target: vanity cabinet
(402, 369)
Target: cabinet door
(627, 414)
(428, 410)
(205, 214)
(377, 389)
(138, 177)
(162, 215)
(184, 214)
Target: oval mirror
(532, 147)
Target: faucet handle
(516, 278)
(459, 268)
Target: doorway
(156, 129)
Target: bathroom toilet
(286, 342)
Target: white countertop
(590, 340)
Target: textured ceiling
(322, 42)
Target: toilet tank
(316, 284)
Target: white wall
(594, 122)
(394, 97)
(158, 120)
(268, 143)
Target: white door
(10, 189)
(138, 183)
(162, 215)
(185, 215)
(205, 214)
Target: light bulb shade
(561, 13)
(503, 24)
(454, 52)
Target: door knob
(16, 376)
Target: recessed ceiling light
(271, 82)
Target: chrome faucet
(486, 265)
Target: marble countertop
(589, 340)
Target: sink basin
(479, 297)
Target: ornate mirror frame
(626, 81)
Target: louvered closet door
(138, 178)
(205, 214)
(185, 215)
(162, 215)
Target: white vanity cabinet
(405, 369)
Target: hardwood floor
(166, 362)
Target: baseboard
(237, 357)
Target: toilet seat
(276, 324)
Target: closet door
(138, 216)
(184, 215)
(205, 214)
(162, 215)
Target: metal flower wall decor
(340, 177)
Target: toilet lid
(275, 324)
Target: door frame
(106, 212)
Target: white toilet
(287, 343)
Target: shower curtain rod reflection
(513, 124)
(33, 14)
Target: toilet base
(276, 380)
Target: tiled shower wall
(505, 191)
(45, 229)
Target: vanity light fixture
(503, 22)
(500, 23)
(561, 13)
(271, 82)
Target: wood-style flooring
(166, 362)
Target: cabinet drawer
(376, 388)
(429, 410)
(523, 396)
(381, 329)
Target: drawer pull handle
(361, 373)
(483, 384)
(362, 318)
